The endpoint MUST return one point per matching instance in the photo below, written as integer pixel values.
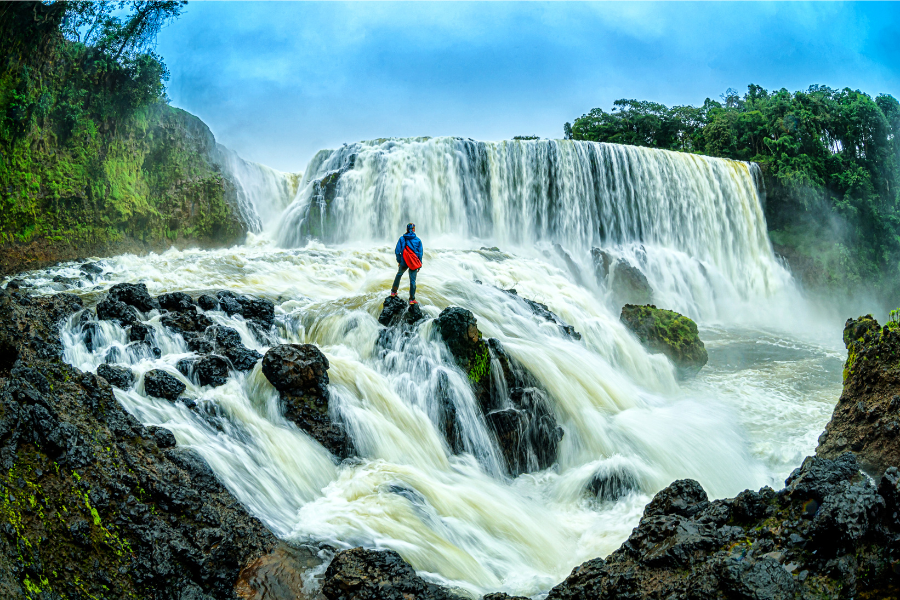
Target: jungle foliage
(830, 159)
(90, 153)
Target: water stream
(692, 225)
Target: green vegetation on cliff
(830, 160)
(92, 159)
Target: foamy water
(746, 421)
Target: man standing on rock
(409, 256)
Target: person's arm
(398, 250)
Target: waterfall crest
(642, 204)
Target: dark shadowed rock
(360, 574)
(162, 436)
(526, 431)
(133, 294)
(188, 321)
(667, 332)
(208, 302)
(542, 311)
(257, 309)
(160, 384)
(211, 370)
(612, 484)
(300, 373)
(138, 332)
(110, 309)
(296, 368)
(627, 284)
(120, 377)
(226, 342)
(393, 310)
(176, 301)
(866, 419)
(91, 268)
(228, 303)
(133, 516)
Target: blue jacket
(408, 239)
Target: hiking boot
(413, 301)
(393, 293)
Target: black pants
(412, 280)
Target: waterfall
(262, 193)
(570, 220)
(693, 225)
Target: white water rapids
(692, 225)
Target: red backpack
(409, 257)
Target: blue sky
(277, 81)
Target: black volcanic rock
(208, 302)
(360, 574)
(120, 377)
(296, 368)
(133, 294)
(300, 373)
(160, 384)
(176, 301)
(132, 515)
(110, 309)
(211, 370)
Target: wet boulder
(190, 321)
(612, 484)
(138, 332)
(110, 309)
(210, 370)
(258, 309)
(296, 368)
(176, 301)
(526, 431)
(91, 268)
(162, 436)
(626, 283)
(542, 311)
(667, 332)
(359, 574)
(279, 575)
(227, 342)
(120, 377)
(208, 302)
(159, 384)
(133, 294)
(300, 373)
(392, 311)
(228, 303)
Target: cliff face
(92, 159)
(866, 419)
(144, 186)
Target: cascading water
(262, 193)
(693, 226)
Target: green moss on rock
(667, 332)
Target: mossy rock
(667, 332)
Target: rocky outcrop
(159, 384)
(120, 377)
(518, 412)
(300, 373)
(224, 341)
(542, 311)
(830, 533)
(626, 283)
(93, 503)
(360, 574)
(866, 419)
(667, 332)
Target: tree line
(830, 158)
